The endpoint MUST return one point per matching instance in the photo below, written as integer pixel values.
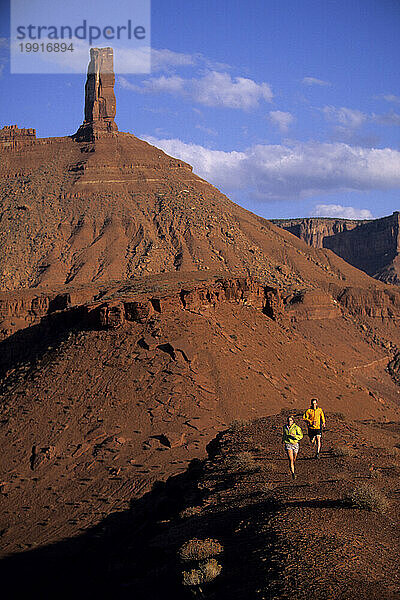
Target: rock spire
(100, 104)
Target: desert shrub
(243, 461)
(342, 476)
(270, 467)
(343, 451)
(395, 452)
(269, 486)
(367, 497)
(207, 571)
(190, 511)
(199, 549)
(239, 424)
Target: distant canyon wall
(372, 246)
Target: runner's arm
(299, 434)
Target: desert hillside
(101, 206)
(103, 398)
(234, 526)
(141, 313)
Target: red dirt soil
(280, 538)
(100, 401)
(141, 311)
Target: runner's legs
(292, 458)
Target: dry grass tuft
(190, 511)
(367, 497)
(239, 424)
(395, 452)
(258, 447)
(199, 549)
(343, 451)
(243, 462)
(207, 571)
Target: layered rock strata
(11, 137)
(371, 245)
(315, 230)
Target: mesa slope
(372, 246)
(101, 399)
(117, 208)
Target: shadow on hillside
(28, 346)
(133, 554)
(106, 559)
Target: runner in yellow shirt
(315, 419)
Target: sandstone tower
(100, 104)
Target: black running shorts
(312, 433)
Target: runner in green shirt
(292, 434)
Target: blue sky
(292, 108)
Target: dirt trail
(280, 538)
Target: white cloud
(281, 119)
(172, 85)
(165, 59)
(390, 118)
(346, 117)
(341, 212)
(1, 69)
(212, 89)
(314, 81)
(292, 171)
(218, 167)
(390, 98)
(219, 89)
(347, 122)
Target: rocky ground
(100, 400)
(275, 538)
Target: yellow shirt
(313, 418)
(292, 434)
